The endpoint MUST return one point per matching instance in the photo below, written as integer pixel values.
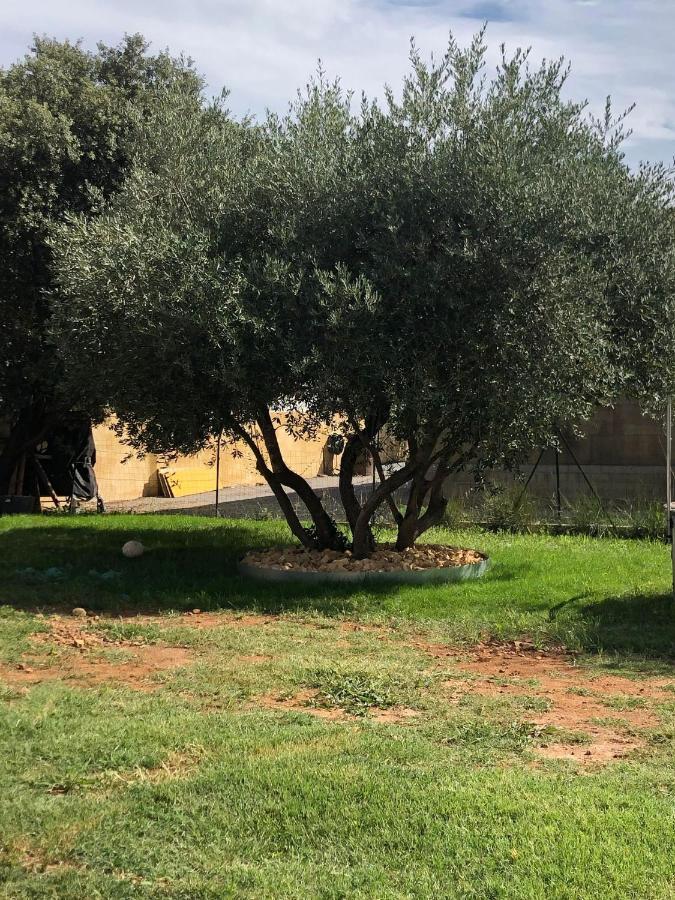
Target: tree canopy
(468, 265)
(68, 125)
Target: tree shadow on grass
(641, 624)
(55, 567)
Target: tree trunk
(360, 441)
(362, 546)
(277, 488)
(427, 491)
(350, 503)
(326, 536)
(415, 523)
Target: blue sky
(262, 50)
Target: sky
(264, 50)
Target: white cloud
(264, 49)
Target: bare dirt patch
(395, 715)
(198, 619)
(385, 558)
(560, 697)
(82, 655)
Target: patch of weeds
(7, 692)
(502, 681)
(536, 704)
(458, 675)
(580, 691)
(644, 518)
(509, 508)
(661, 737)
(354, 692)
(508, 736)
(456, 513)
(112, 655)
(130, 631)
(611, 722)
(588, 516)
(551, 734)
(621, 702)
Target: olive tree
(467, 265)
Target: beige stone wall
(122, 476)
(626, 448)
(197, 474)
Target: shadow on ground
(191, 563)
(636, 623)
(47, 568)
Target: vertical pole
(669, 482)
(669, 463)
(557, 482)
(218, 472)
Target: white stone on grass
(133, 549)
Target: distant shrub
(587, 516)
(509, 509)
(646, 518)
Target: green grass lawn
(264, 764)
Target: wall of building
(622, 454)
(122, 476)
(119, 472)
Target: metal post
(669, 464)
(218, 472)
(529, 479)
(669, 483)
(557, 482)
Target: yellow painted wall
(197, 474)
(121, 476)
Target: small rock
(80, 613)
(195, 612)
(133, 549)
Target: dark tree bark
(277, 488)
(350, 502)
(327, 536)
(426, 501)
(362, 532)
(423, 492)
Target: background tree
(470, 265)
(68, 120)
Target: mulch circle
(424, 563)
